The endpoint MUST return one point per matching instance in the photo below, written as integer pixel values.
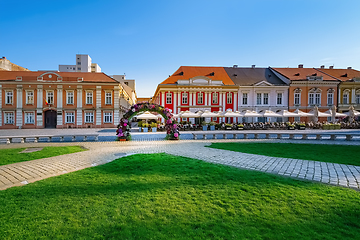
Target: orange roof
(294, 74)
(187, 72)
(66, 76)
(341, 74)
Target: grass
(160, 196)
(13, 155)
(343, 154)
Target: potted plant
(204, 126)
(228, 126)
(240, 127)
(140, 124)
(290, 126)
(153, 127)
(300, 126)
(212, 126)
(145, 127)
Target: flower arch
(123, 131)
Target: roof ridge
(317, 69)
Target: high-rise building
(83, 64)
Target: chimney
(322, 66)
(235, 66)
(301, 66)
(3, 57)
(331, 67)
(252, 66)
(349, 68)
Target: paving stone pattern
(18, 174)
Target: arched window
(345, 98)
(315, 96)
(357, 96)
(297, 96)
(330, 97)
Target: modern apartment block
(83, 64)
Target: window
(108, 98)
(266, 99)
(29, 118)
(70, 97)
(9, 118)
(29, 97)
(245, 99)
(200, 98)
(89, 98)
(311, 98)
(89, 117)
(330, 98)
(357, 98)
(79, 68)
(168, 98)
(8, 97)
(184, 98)
(258, 99)
(229, 98)
(79, 63)
(108, 117)
(317, 98)
(279, 99)
(70, 117)
(50, 97)
(215, 98)
(345, 98)
(296, 98)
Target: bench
(10, 139)
(291, 136)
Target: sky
(148, 40)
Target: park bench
(23, 139)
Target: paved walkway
(102, 152)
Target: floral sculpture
(123, 131)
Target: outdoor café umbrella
(232, 114)
(286, 113)
(208, 114)
(146, 115)
(303, 114)
(335, 114)
(188, 114)
(249, 113)
(318, 114)
(269, 113)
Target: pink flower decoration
(176, 135)
(174, 126)
(125, 124)
(168, 121)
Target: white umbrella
(269, 113)
(232, 114)
(188, 114)
(208, 114)
(303, 114)
(286, 113)
(177, 115)
(249, 113)
(320, 114)
(147, 115)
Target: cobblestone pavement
(18, 174)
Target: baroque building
(40, 99)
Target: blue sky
(149, 40)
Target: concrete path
(102, 152)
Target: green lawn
(160, 196)
(13, 155)
(344, 154)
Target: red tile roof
(187, 72)
(341, 74)
(294, 74)
(66, 76)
